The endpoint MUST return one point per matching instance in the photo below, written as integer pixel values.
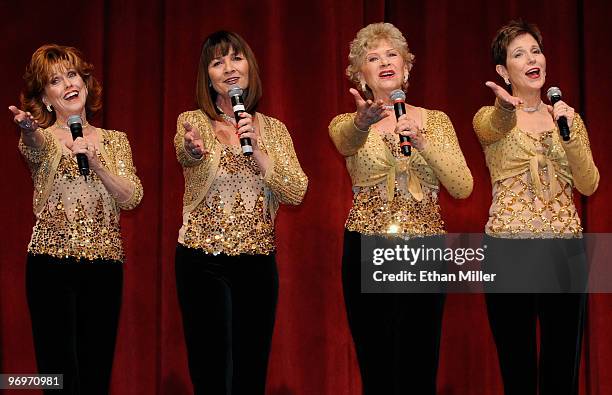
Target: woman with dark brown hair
(226, 273)
(534, 234)
(74, 272)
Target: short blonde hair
(366, 39)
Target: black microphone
(554, 95)
(76, 128)
(235, 94)
(399, 98)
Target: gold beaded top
(394, 194)
(229, 207)
(74, 217)
(533, 177)
(231, 219)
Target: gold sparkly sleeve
(444, 156)
(45, 152)
(346, 137)
(492, 123)
(285, 177)
(126, 169)
(578, 150)
(184, 158)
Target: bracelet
(506, 109)
(362, 131)
(191, 153)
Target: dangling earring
(506, 80)
(49, 108)
(406, 77)
(363, 86)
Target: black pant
(513, 318)
(228, 305)
(74, 307)
(397, 336)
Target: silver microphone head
(74, 119)
(398, 94)
(234, 90)
(553, 91)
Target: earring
(49, 108)
(506, 80)
(363, 86)
(406, 77)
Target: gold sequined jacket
(509, 151)
(43, 162)
(372, 164)
(285, 182)
(533, 178)
(74, 217)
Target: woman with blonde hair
(396, 336)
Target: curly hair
(368, 38)
(44, 61)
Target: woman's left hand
(84, 146)
(246, 128)
(408, 127)
(561, 109)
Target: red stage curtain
(146, 55)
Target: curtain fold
(146, 53)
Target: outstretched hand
(25, 120)
(368, 112)
(193, 141)
(505, 98)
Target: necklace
(226, 117)
(60, 126)
(532, 109)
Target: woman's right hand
(193, 141)
(368, 112)
(25, 120)
(505, 99)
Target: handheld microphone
(399, 98)
(554, 95)
(235, 94)
(76, 128)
